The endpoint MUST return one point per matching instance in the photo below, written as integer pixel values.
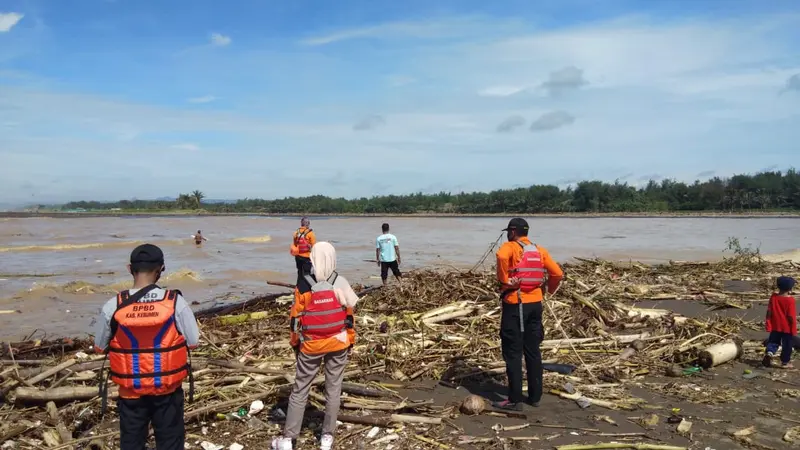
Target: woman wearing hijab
(321, 331)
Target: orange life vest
(324, 316)
(148, 354)
(530, 270)
(301, 241)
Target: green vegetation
(764, 191)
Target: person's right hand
(378, 263)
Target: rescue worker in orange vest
(146, 333)
(321, 323)
(302, 242)
(524, 271)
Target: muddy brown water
(58, 271)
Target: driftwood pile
(441, 325)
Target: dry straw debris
(442, 325)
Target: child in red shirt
(781, 323)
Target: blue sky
(111, 99)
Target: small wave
(237, 274)
(253, 239)
(85, 246)
(612, 236)
(182, 275)
(791, 255)
(34, 248)
(82, 287)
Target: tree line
(763, 191)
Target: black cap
(516, 223)
(147, 256)
(785, 284)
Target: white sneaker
(326, 443)
(281, 443)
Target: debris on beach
(442, 326)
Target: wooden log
(90, 365)
(53, 370)
(443, 310)
(244, 317)
(619, 339)
(281, 284)
(26, 395)
(449, 316)
(244, 368)
(385, 421)
(409, 418)
(719, 353)
(593, 401)
(649, 313)
(376, 421)
(13, 432)
(355, 389)
(611, 445)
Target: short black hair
(198, 231)
(385, 227)
(147, 258)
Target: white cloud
(220, 40)
(501, 91)
(8, 20)
(186, 146)
(678, 95)
(429, 29)
(203, 99)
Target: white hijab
(323, 260)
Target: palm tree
(198, 197)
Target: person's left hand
(398, 260)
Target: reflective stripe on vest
(147, 352)
(324, 316)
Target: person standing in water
(322, 330)
(302, 243)
(199, 238)
(387, 253)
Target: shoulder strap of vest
(125, 299)
(172, 294)
(310, 279)
(333, 277)
(524, 245)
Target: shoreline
(609, 215)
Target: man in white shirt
(387, 253)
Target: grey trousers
(307, 368)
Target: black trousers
(303, 267)
(516, 344)
(165, 412)
(385, 266)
